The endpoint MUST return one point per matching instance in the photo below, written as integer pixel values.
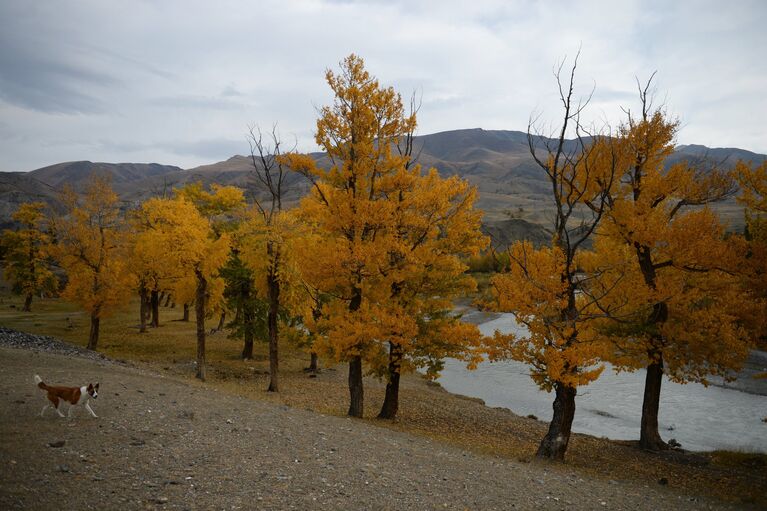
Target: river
(720, 416)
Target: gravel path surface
(160, 443)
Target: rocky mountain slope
(497, 162)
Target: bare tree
(580, 194)
(269, 174)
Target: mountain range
(513, 192)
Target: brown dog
(72, 395)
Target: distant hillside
(77, 173)
(513, 193)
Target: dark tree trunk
(649, 437)
(221, 322)
(356, 392)
(93, 338)
(155, 303)
(186, 312)
(27, 303)
(273, 284)
(202, 290)
(247, 314)
(554, 444)
(247, 349)
(167, 300)
(313, 368)
(143, 301)
(391, 400)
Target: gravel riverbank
(169, 444)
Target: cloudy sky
(179, 81)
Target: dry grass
(425, 409)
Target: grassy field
(425, 409)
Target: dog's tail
(39, 382)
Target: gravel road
(161, 443)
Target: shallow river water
(700, 418)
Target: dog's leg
(69, 413)
(88, 406)
(55, 400)
(44, 408)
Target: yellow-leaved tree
(664, 274)
(152, 269)
(26, 253)
(542, 286)
(193, 247)
(435, 227)
(753, 185)
(385, 245)
(91, 247)
(264, 236)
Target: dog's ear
(90, 386)
(97, 386)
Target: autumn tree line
(640, 272)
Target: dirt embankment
(169, 444)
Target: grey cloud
(36, 81)
(197, 102)
(211, 150)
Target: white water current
(700, 418)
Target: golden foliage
(386, 237)
(26, 252)
(663, 275)
(557, 341)
(188, 244)
(91, 247)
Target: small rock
(19, 401)
(62, 468)
(161, 500)
(136, 442)
(228, 421)
(663, 481)
(57, 443)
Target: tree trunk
(391, 400)
(167, 300)
(202, 290)
(27, 303)
(356, 392)
(649, 438)
(554, 444)
(274, 305)
(221, 322)
(143, 299)
(186, 312)
(155, 302)
(312, 363)
(247, 349)
(93, 338)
